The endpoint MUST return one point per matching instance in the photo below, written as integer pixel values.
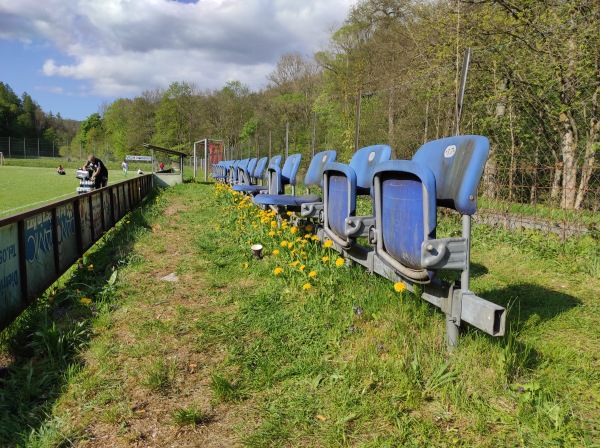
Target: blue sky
(72, 56)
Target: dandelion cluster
(290, 243)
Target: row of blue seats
(401, 229)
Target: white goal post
(1, 158)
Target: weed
(191, 416)
(224, 390)
(159, 375)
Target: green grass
(347, 361)
(190, 416)
(551, 213)
(26, 187)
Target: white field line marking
(35, 203)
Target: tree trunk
(568, 148)
(590, 154)
(586, 170)
(513, 163)
(556, 178)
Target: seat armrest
(358, 226)
(311, 209)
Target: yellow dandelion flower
(339, 262)
(276, 252)
(289, 213)
(328, 243)
(85, 300)
(54, 292)
(293, 229)
(325, 259)
(307, 236)
(306, 286)
(315, 238)
(273, 224)
(272, 233)
(290, 245)
(90, 267)
(246, 265)
(284, 243)
(301, 268)
(294, 263)
(399, 287)
(277, 271)
(312, 274)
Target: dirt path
(147, 365)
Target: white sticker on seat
(450, 151)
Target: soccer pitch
(24, 188)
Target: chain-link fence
(543, 172)
(34, 148)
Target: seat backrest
(241, 169)
(290, 169)
(457, 164)
(275, 160)
(363, 163)
(259, 169)
(278, 179)
(251, 167)
(233, 171)
(314, 174)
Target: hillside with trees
(390, 74)
(21, 117)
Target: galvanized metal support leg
(452, 332)
(455, 310)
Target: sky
(71, 56)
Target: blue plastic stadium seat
(406, 194)
(341, 186)
(240, 169)
(280, 177)
(249, 171)
(221, 170)
(249, 175)
(259, 174)
(313, 178)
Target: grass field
(170, 334)
(26, 187)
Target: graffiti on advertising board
(10, 286)
(67, 238)
(39, 252)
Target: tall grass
(298, 349)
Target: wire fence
(34, 148)
(543, 172)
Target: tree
(92, 133)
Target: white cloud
(121, 47)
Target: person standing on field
(99, 171)
(125, 166)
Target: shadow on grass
(39, 350)
(528, 302)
